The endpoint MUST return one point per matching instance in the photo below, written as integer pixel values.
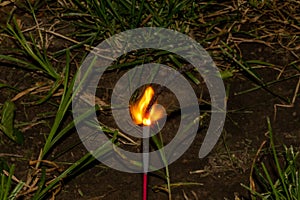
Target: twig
(289, 105)
(10, 155)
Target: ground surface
(218, 175)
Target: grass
(79, 25)
(107, 14)
(285, 183)
(7, 123)
(32, 51)
(8, 191)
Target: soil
(224, 169)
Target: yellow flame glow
(138, 110)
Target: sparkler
(146, 133)
(144, 112)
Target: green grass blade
(16, 191)
(66, 100)
(45, 66)
(177, 7)
(72, 124)
(274, 190)
(281, 175)
(134, 22)
(155, 15)
(115, 13)
(8, 182)
(2, 186)
(100, 8)
(252, 192)
(80, 44)
(54, 88)
(7, 123)
(62, 109)
(27, 65)
(247, 69)
(141, 10)
(84, 161)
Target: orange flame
(138, 110)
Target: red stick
(146, 133)
(145, 183)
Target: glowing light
(139, 109)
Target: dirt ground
(218, 175)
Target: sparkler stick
(142, 114)
(146, 134)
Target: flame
(138, 110)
